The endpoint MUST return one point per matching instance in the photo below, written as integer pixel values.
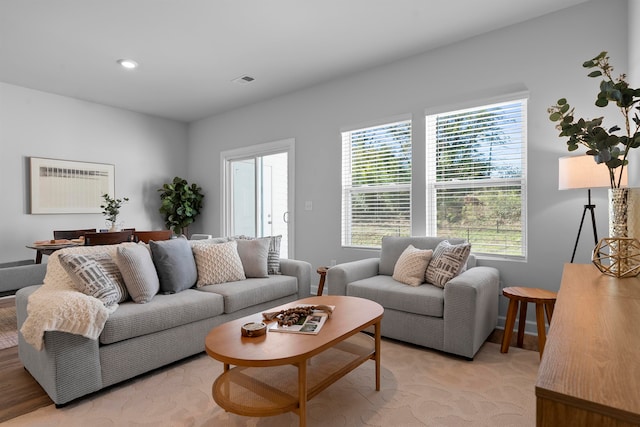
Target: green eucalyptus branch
(111, 207)
(603, 144)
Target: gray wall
(146, 151)
(543, 56)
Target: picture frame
(69, 186)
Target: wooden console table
(590, 371)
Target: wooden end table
(322, 271)
(544, 301)
(279, 372)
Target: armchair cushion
(425, 299)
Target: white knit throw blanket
(57, 306)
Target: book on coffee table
(310, 324)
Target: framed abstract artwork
(67, 186)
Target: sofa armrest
(302, 271)
(341, 274)
(470, 309)
(67, 367)
(16, 277)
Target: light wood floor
(21, 394)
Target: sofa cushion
(138, 272)
(108, 264)
(426, 299)
(175, 264)
(392, 248)
(411, 266)
(273, 258)
(218, 263)
(274, 255)
(254, 254)
(89, 277)
(249, 292)
(162, 312)
(447, 261)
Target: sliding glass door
(257, 193)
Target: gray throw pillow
(446, 262)
(90, 278)
(175, 264)
(110, 267)
(273, 261)
(138, 272)
(254, 255)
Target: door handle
(285, 217)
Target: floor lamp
(583, 172)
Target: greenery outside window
(476, 177)
(376, 184)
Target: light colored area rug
(8, 327)
(419, 388)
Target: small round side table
(544, 301)
(322, 271)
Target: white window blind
(476, 177)
(376, 184)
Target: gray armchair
(456, 319)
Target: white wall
(146, 151)
(543, 56)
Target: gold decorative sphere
(617, 256)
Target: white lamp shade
(584, 172)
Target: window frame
(346, 235)
(430, 170)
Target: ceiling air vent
(243, 80)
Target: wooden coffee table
(279, 372)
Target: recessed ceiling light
(129, 64)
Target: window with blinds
(476, 177)
(376, 184)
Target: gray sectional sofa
(138, 338)
(456, 319)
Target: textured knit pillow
(90, 278)
(411, 266)
(110, 267)
(254, 254)
(138, 272)
(446, 262)
(218, 263)
(175, 264)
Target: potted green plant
(111, 209)
(180, 204)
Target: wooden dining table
(49, 247)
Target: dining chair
(109, 238)
(71, 234)
(156, 235)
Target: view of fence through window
(476, 176)
(376, 184)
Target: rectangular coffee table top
(351, 314)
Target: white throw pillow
(411, 266)
(218, 263)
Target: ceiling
(190, 51)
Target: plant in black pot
(181, 204)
